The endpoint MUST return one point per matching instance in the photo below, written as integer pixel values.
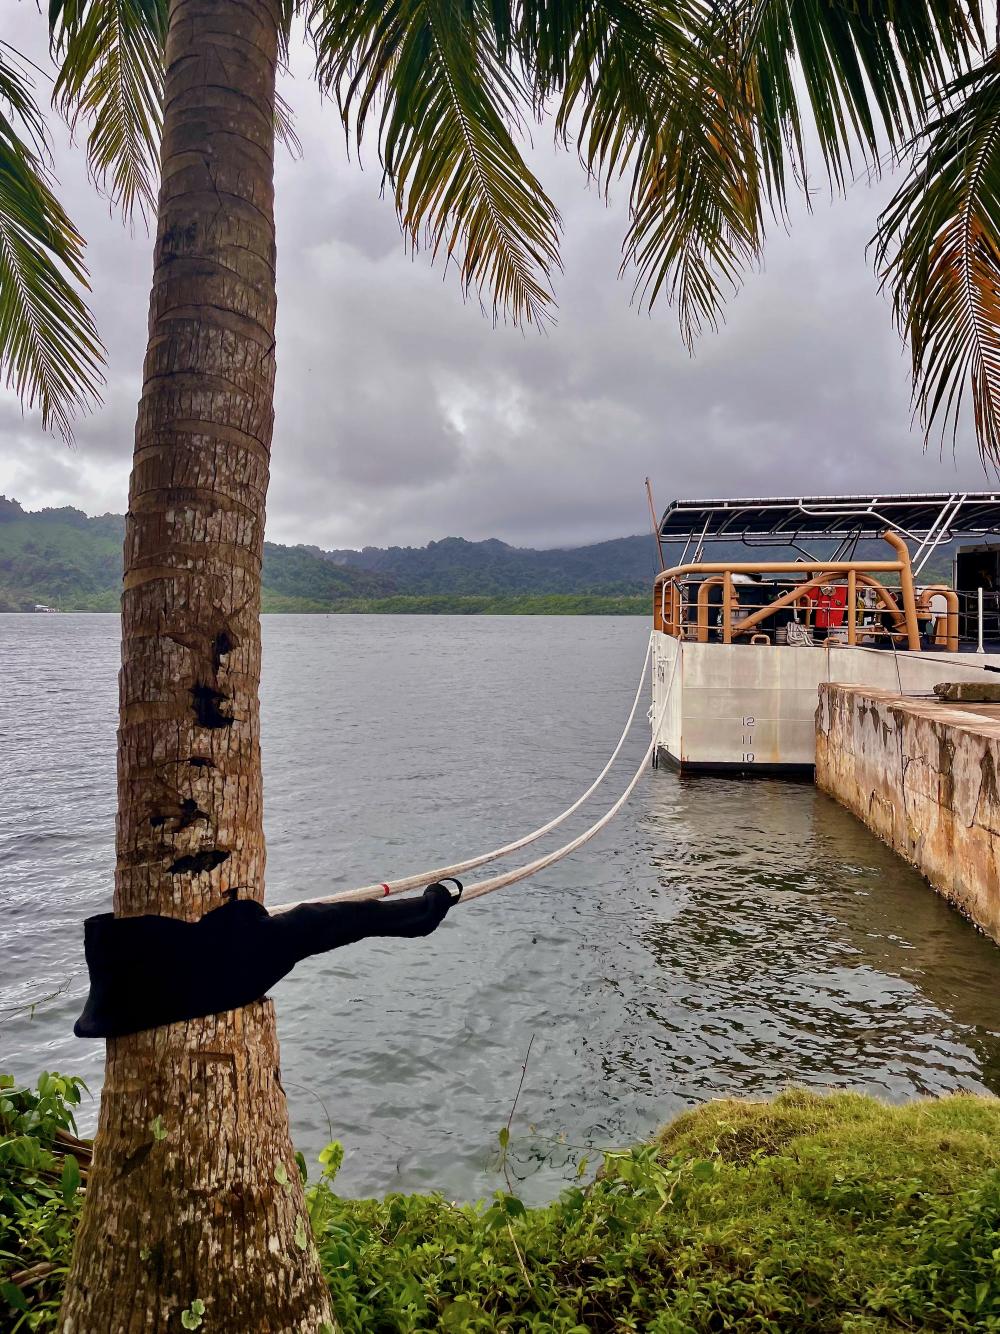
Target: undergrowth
(807, 1213)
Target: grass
(807, 1213)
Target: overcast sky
(404, 416)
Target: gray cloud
(402, 415)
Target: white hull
(752, 708)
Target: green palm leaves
(939, 250)
(448, 104)
(730, 143)
(702, 108)
(858, 75)
(110, 55)
(49, 349)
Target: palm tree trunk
(195, 1202)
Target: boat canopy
(928, 519)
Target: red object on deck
(829, 605)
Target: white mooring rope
(522, 872)
(519, 872)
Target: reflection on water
(720, 937)
(803, 951)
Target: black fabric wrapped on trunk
(148, 971)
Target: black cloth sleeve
(148, 971)
(314, 928)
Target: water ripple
(721, 937)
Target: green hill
(456, 566)
(59, 557)
(64, 559)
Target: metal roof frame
(917, 516)
(928, 520)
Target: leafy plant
(43, 1169)
(193, 1316)
(807, 1213)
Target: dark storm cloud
(402, 415)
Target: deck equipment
(772, 596)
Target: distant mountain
(626, 565)
(59, 557)
(64, 559)
(455, 566)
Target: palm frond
(110, 56)
(284, 127)
(49, 348)
(450, 102)
(287, 11)
(646, 88)
(860, 76)
(938, 250)
(608, 66)
(697, 220)
(710, 104)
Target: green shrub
(42, 1168)
(807, 1213)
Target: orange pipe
(779, 567)
(906, 584)
(852, 607)
(948, 632)
(727, 607)
(787, 599)
(822, 578)
(951, 620)
(721, 572)
(704, 588)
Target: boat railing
(978, 615)
(852, 602)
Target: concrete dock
(923, 775)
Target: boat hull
(751, 709)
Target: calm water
(721, 937)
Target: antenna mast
(653, 520)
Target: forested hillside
(454, 565)
(62, 558)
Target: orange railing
(671, 585)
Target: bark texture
(195, 1203)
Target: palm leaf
(49, 348)
(646, 88)
(697, 211)
(859, 76)
(110, 55)
(938, 249)
(284, 127)
(450, 103)
(724, 142)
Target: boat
(771, 597)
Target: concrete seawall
(923, 775)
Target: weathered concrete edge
(923, 776)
